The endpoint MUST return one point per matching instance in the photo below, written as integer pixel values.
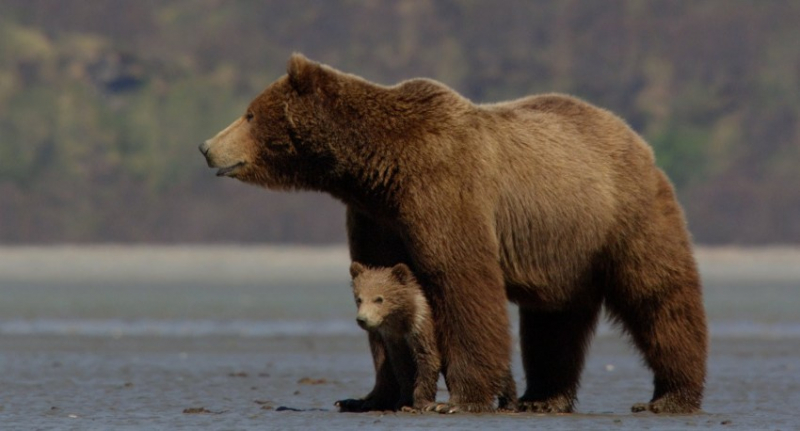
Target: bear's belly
(545, 260)
(527, 296)
(543, 296)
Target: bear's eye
(379, 300)
(358, 301)
(249, 116)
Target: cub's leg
(374, 245)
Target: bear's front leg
(468, 300)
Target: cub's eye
(358, 301)
(379, 300)
(249, 116)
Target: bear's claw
(666, 404)
(558, 404)
(449, 408)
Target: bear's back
(571, 175)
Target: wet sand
(145, 382)
(145, 348)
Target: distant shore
(222, 261)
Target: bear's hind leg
(554, 347)
(655, 292)
(669, 329)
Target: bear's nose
(204, 147)
(362, 322)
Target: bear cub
(392, 307)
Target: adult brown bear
(546, 201)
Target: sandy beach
(263, 338)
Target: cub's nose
(362, 322)
(204, 147)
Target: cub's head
(385, 297)
(283, 139)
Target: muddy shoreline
(264, 338)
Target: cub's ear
(305, 75)
(356, 269)
(402, 273)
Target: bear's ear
(305, 75)
(356, 269)
(402, 273)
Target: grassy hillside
(102, 104)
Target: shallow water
(129, 338)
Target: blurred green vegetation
(102, 104)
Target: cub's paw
(353, 405)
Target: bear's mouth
(229, 170)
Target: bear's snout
(204, 147)
(362, 322)
(230, 150)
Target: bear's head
(387, 298)
(316, 127)
(284, 135)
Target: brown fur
(392, 307)
(547, 201)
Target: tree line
(102, 104)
